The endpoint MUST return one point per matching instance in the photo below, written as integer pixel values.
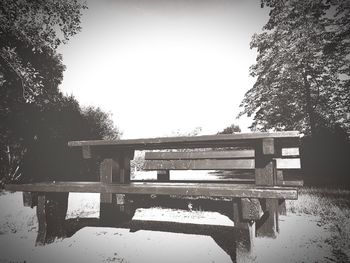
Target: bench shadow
(228, 238)
(237, 241)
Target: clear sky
(161, 66)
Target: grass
(333, 207)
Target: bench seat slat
(182, 189)
(210, 164)
(234, 154)
(206, 164)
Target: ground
(316, 229)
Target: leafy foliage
(231, 129)
(39, 143)
(36, 119)
(30, 32)
(99, 124)
(303, 67)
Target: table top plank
(189, 141)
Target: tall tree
(302, 70)
(30, 32)
(30, 69)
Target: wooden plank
(206, 164)
(290, 151)
(185, 189)
(264, 164)
(268, 226)
(87, 152)
(244, 243)
(124, 161)
(124, 207)
(106, 177)
(268, 146)
(42, 222)
(279, 177)
(237, 214)
(190, 141)
(264, 172)
(292, 183)
(56, 210)
(199, 155)
(219, 181)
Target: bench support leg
(115, 208)
(244, 233)
(244, 242)
(108, 209)
(51, 213)
(267, 226)
(282, 208)
(30, 199)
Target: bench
(264, 159)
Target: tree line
(36, 119)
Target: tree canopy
(303, 67)
(30, 32)
(36, 119)
(233, 128)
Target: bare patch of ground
(316, 229)
(332, 207)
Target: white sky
(161, 66)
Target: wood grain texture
(264, 164)
(191, 141)
(206, 164)
(292, 183)
(234, 154)
(42, 222)
(264, 172)
(268, 225)
(106, 177)
(219, 181)
(124, 163)
(185, 189)
(268, 146)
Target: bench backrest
(235, 159)
(216, 160)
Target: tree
(99, 124)
(30, 32)
(30, 70)
(231, 129)
(302, 70)
(45, 154)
